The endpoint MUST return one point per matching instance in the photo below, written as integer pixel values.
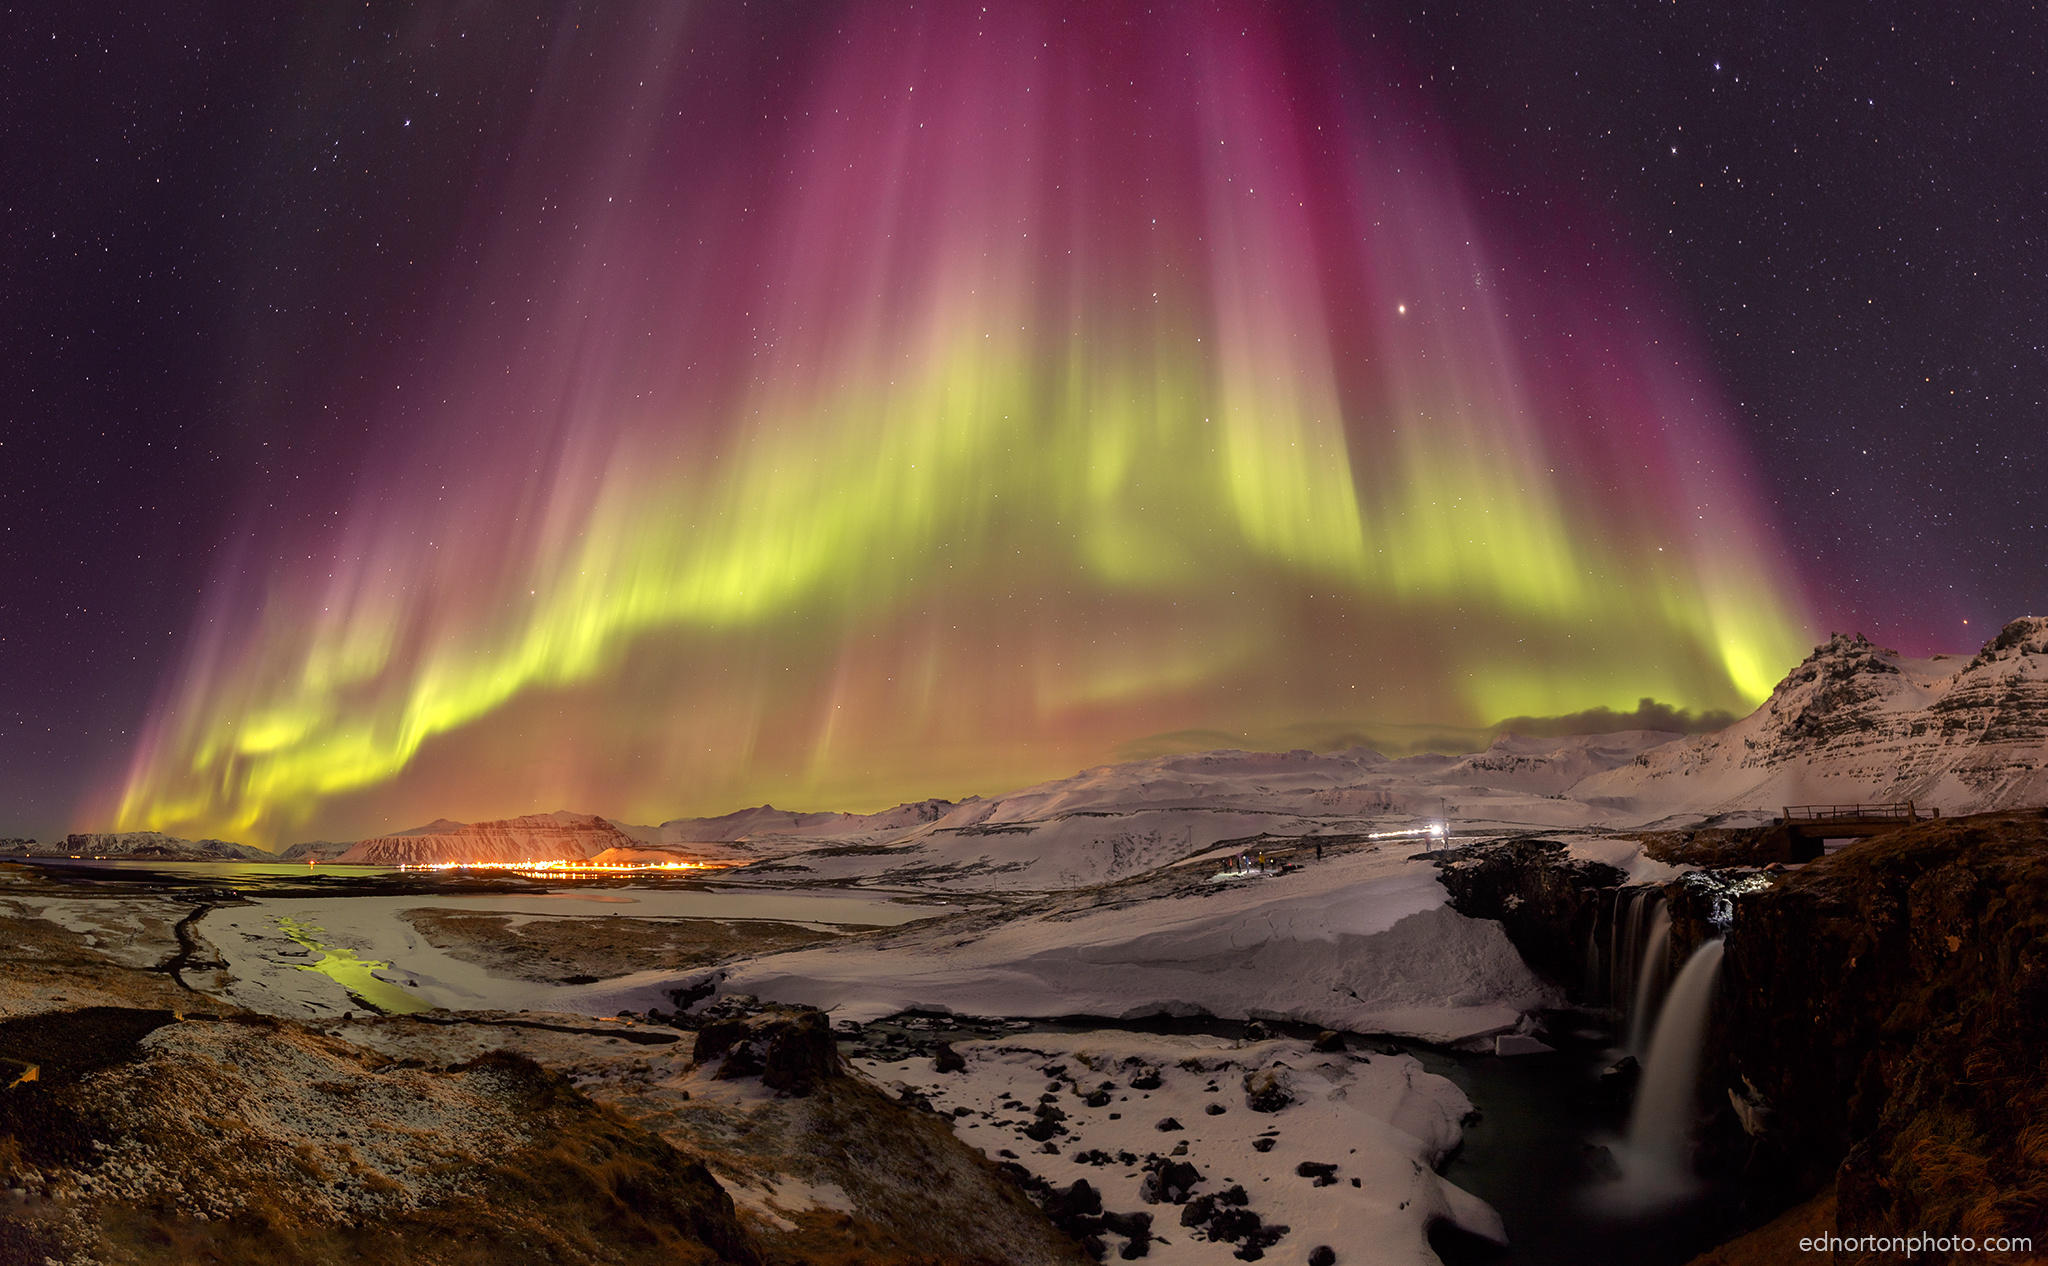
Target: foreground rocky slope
(141, 1122)
(1884, 1028)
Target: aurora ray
(1024, 385)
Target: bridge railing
(1904, 811)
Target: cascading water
(1655, 1158)
(1651, 973)
(1624, 984)
(1593, 980)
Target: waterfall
(1650, 976)
(1614, 941)
(1627, 960)
(1592, 987)
(1655, 1158)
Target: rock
(1214, 1109)
(1097, 1099)
(1618, 1081)
(1167, 1124)
(1068, 1206)
(1262, 1145)
(1322, 1255)
(1147, 1078)
(1267, 1090)
(1328, 1041)
(947, 1060)
(1324, 1174)
(1171, 1180)
(1256, 1031)
(1545, 899)
(790, 1051)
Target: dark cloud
(1649, 715)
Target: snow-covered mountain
(152, 846)
(1858, 723)
(534, 837)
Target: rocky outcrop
(1883, 1026)
(790, 1051)
(246, 1140)
(536, 837)
(1546, 899)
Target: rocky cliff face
(1883, 1024)
(1545, 898)
(533, 838)
(1858, 723)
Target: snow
(1382, 1120)
(1624, 854)
(1364, 942)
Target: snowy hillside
(1856, 723)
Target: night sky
(462, 409)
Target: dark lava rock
(1324, 1174)
(793, 1052)
(1322, 1255)
(1146, 1079)
(1097, 1099)
(947, 1060)
(1041, 1130)
(1546, 899)
(1327, 1041)
(1128, 1225)
(1618, 1081)
(1256, 1031)
(1169, 1181)
(1075, 1210)
(1262, 1145)
(1214, 1109)
(1167, 1124)
(1229, 1224)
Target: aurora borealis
(1041, 382)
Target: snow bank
(1366, 943)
